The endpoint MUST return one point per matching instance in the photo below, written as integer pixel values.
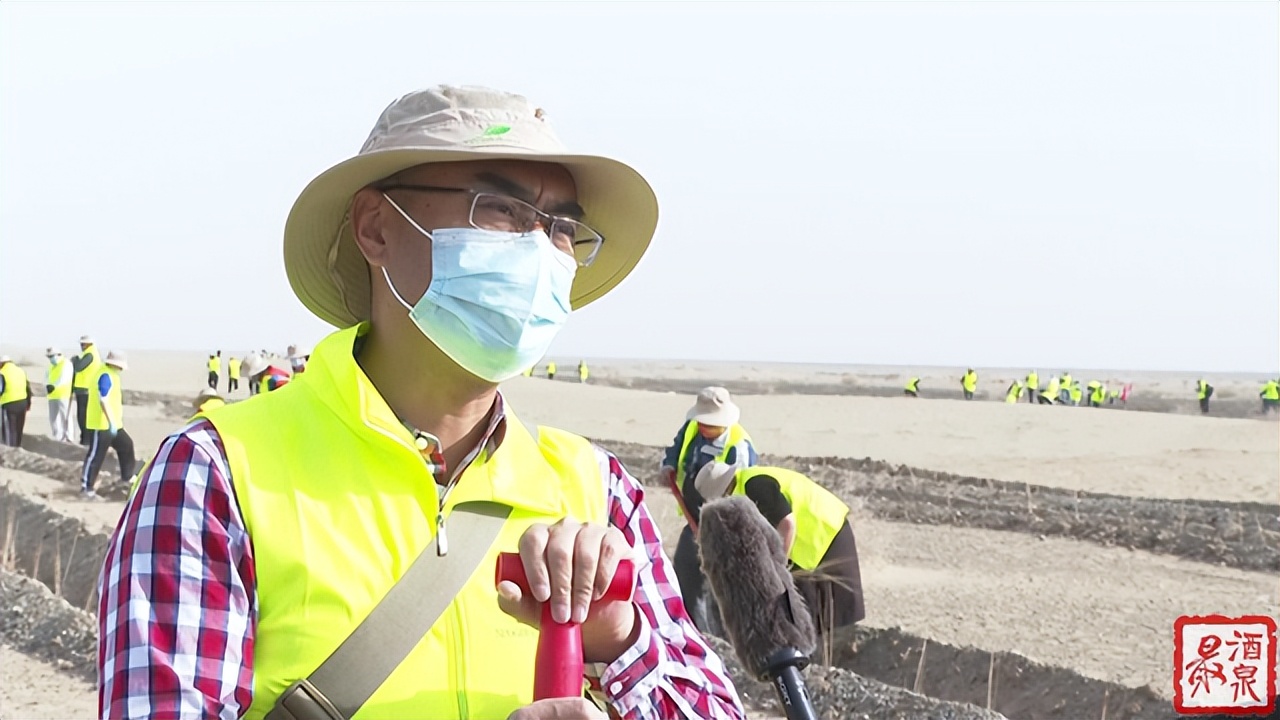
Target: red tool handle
(558, 669)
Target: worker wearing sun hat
(206, 400)
(105, 422)
(263, 375)
(86, 366)
(449, 251)
(710, 433)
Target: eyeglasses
(503, 213)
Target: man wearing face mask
(710, 433)
(450, 251)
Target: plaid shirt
(178, 600)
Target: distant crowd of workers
(1066, 390)
(583, 372)
(92, 383)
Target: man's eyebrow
(507, 186)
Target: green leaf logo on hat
(497, 130)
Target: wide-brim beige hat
(205, 394)
(714, 479)
(714, 407)
(253, 364)
(117, 359)
(442, 124)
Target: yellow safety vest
(1033, 381)
(1076, 393)
(551, 368)
(88, 377)
(1099, 394)
(58, 379)
(338, 503)
(913, 385)
(1052, 389)
(214, 365)
(15, 383)
(233, 367)
(1015, 392)
(1202, 389)
(971, 381)
(737, 434)
(819, 513)
(1271, 391)
(96, 415)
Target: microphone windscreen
(743, 559)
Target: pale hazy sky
(997, 184)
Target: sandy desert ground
(1091, 614)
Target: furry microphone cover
(743, 560)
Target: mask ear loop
(391, 285)
(417, 227)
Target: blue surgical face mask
(496, 299)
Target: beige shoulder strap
(350, 676)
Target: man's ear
(367, 215)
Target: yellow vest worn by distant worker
(96, 415)
(88, 377)
(819, 514)
(58, 379)
(737, 434)
(233, 367)
(15, 383)
(338, 503)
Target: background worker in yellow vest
(1270, 395)
(1065, 383)
(709, 434)
(1204, 391)
(816, 534)
(583, 372)
(1051, 393)
(1033, 386)
(87, 367)
(15, 401)
(233, 374)
(106, 426)
(1097, 393)
(215, 366)
(304, 507)
(912, 388)
(57, 390)
(551, 370)
(1013, 393)
(969, 383)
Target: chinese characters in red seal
(1224, 665)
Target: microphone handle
(793, 694)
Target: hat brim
(330, 276)
(724, 417)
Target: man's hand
(558, 709)
(571, 565)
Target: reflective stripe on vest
(338, 503)
(88, 377)
(819, 513)
(15, 383)
(60, 380)
(737, 434)
(95, 417)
